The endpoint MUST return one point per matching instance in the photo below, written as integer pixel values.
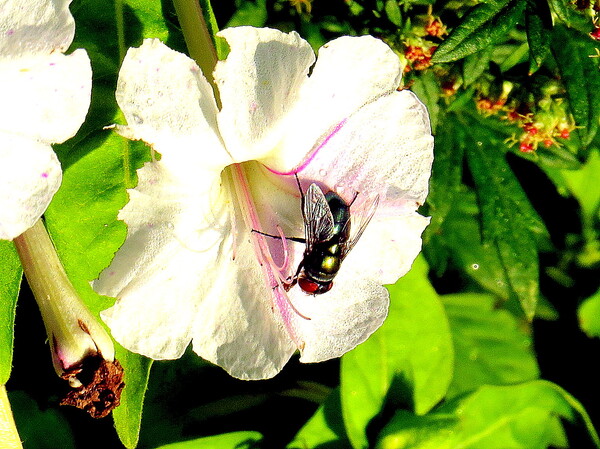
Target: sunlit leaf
(583, 184)
(325, 428)
(490, 345)
(233, 440)
(10, 281)
(523, 416)
(486, 24)
(412, 348)
(589, 315)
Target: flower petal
(176, 281)
(165, 266)
(339, 319)
(258, 84)
(46, 98)
(29, 176)
(169, 104)
(350, 72)
(385, 149)
(391, 243)
(238, 328)
(34, 27)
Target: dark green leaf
(413, 346)
(538, 24)
(233, 440)
(10, 281)
(446, 174)
(475, 65)
(566, 12)
(486, 24)
(427, 88)
(40, 427)
(508, 219)
(581, 77)
(523, 416)
(490, 344)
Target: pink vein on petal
(313, 152)
(260, 247)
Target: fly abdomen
(323, 263)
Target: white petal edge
(35, 27)
(169, 104)
(349, 72)
(46, 98)
(339, 319)
(259, 83)
(30, 175)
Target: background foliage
(491, 336)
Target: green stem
(9, 437)
(73, 332)
(198, 39)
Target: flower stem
(9, 437)
(73, 332)
(198, 39)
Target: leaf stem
(8, 430)
(198, 39)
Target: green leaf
(325, 429)
(413, 347)
(10, 282)
(128, 415)
(589, 315)
(427, 88)
(39, 427)
(584, 186)
(213, 28)
(538, 25)
(476, 64)
(446, 175)
(581, 77)
(392, 10)
(233, 440)
(523, 416)
(249, 12)
(508, 219)
(566, 12)
(484, 25)
(490, 345)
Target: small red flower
(564, 133)
(595, 34)
(526, 147)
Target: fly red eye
(308, 286)
(314, 288)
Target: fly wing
(361, 228)
(318, 219)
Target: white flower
(191, 269)
(45, 97)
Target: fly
(327, 238)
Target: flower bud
(82, 351)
